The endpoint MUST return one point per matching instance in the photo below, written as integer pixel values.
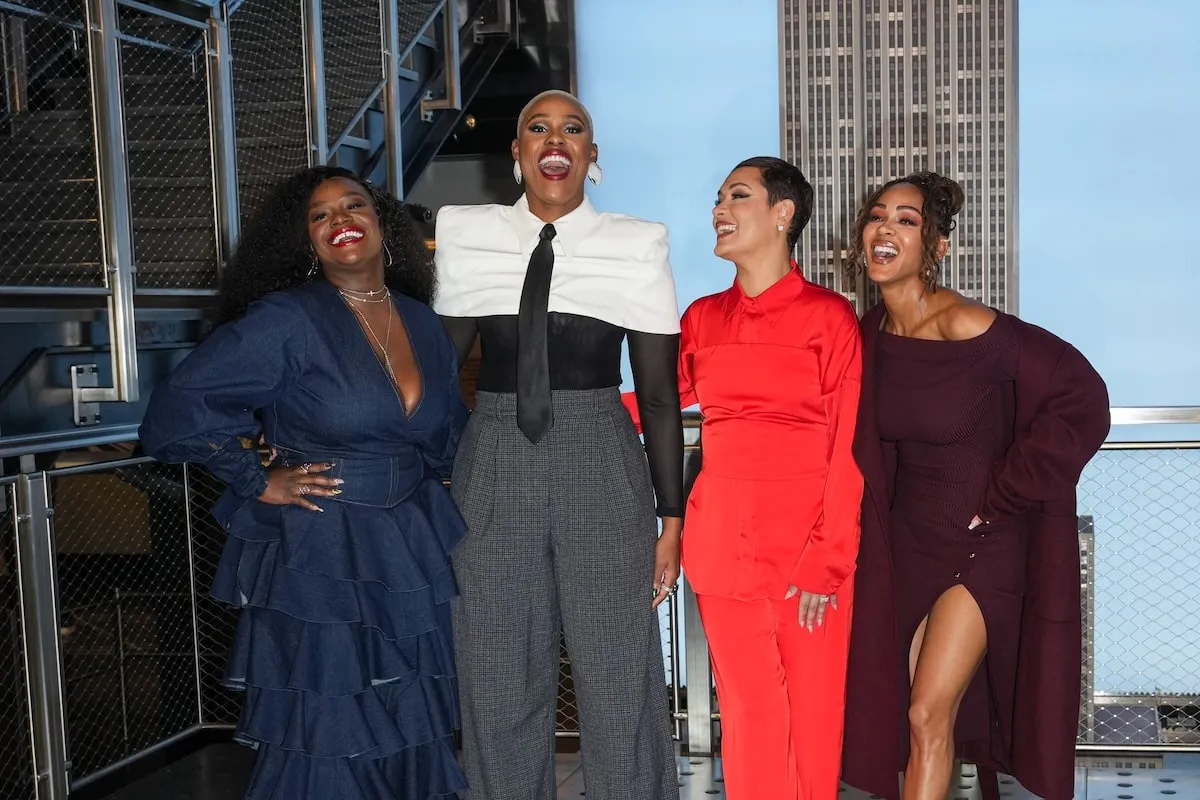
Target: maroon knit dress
(945, 413)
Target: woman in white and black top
(551, 477)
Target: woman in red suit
(771, 529)
(972, 434)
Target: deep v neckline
(365, 336)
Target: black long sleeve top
(585, 353)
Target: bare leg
(948, 648)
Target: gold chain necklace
(387, 336)
(370, 298)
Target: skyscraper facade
(875, 89)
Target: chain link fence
(415, 16)
(48, 193)
(1146, 660)
(49, 229)
(16, 768)
(567, 720)
(144, 646)
(215, 622)
(353, 61)
(268, 91)
(125, 594)
(163, 77)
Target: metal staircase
(50, 237)
(136, 135)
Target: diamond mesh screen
(1146, 646)
(215, 622)
(126, 600)
(16, 768)
(170, 162)
(49, 234)
(268, 91)
(353, 59)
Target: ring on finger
(303, 489)
(305, 467)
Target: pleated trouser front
(561, 532)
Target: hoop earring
(517, 172)
(387, 257)
(594, 173)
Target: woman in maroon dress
(973, 430)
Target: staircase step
(65, 241)
(73, 240)
(196, 274)
(73, 93)
(38, 273)
(167, 121)
(183, 157)
(164, 197)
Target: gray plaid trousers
(560, 532)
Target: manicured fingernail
(335, 491)
(338, 481)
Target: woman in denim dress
(338, 551)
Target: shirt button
(958, 574)
(971, 556)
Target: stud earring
(594, 173)
(779, 227)
(517, 171)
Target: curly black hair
(943, 199)
(274, 252)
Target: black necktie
(534, 412)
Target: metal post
(453, 65)
(192, 590)
(116, 217)
(389, 26)
(222, 134)
(120, 658)
(699, 677)
(314, 82)
(676, 666)
(38, 579)
(16, 68)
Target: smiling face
(892, 239)
(553, 149)
(745, 221)
(343, 227)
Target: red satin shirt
(778, 499)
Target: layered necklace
(374, 296)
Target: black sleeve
(655, 362)
(463, 331)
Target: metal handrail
(1121, 416)
(12, 446)
(452, 68)
(1156, 415)
(379, 87)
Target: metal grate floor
(219, 772)
(700, 778)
